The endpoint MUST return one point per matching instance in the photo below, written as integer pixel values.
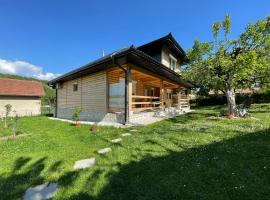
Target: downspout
(126, 121)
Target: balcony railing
(140, 103)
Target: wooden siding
(90, 96)
(165, 52)
(139, 88)
(115, 75)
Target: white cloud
(25, 69)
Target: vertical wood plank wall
(90, 96)
(165, 59)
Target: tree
(225, 64)
(8, 110)
(49, 98)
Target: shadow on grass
(237, 168)
(14, 186)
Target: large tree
(226, 64)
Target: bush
(221, 99)
(76, 114)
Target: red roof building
(13, 87)
(23, 95)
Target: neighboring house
(24, 96)
(131, 80)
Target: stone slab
(86, 163)
(126, 134)
(115, 141)
(44, 191)
(105, 150)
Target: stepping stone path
(133, 130)
(126, 134)
(86, 163)
(44, 191)
(105, 150)
(115, 141)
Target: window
(75, 87)
(169, 94)
(172, 61)
(117, 95)
(149, 92)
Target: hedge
(221, 99)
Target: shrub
(8, 108)
(76, 114)
(240, 99)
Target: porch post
(179, 97)
(161, 94)
(129, 93)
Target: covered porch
(146, 92)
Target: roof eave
(163, 67)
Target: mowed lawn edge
(186, 157)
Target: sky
(47, 38)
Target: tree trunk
(230, 95)
(5, 122)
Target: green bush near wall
(221, 99)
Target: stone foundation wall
(66, 113)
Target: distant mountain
(11, 76)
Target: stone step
(115, 141)
(105, 150)
(39, 192)
(86, 163)
(126, 134)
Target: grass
(186, 157)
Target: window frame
(172, 58)
(75, 87)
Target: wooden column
(107, 91)
(161, 94)
(179, 97)
(129, 94)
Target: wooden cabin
(131, 80)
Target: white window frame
(175, 61)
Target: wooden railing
(140, 103)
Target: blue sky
(50, 37)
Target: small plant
(8, 108)
(76, 115)
(15, 125)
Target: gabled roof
(125, 56)
(170, 42)
(14, 87)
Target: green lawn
(186, 157)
